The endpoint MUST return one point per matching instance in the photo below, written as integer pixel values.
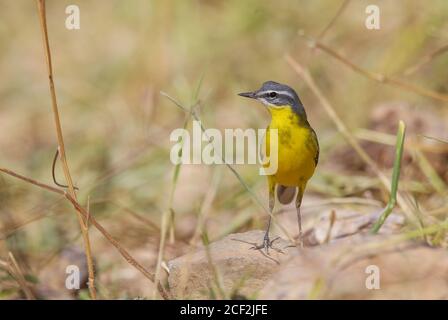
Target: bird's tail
(285, 194)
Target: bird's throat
(286, 116)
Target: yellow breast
(297, 147)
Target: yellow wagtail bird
(298, 148)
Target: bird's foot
(266, 245)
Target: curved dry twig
(84, 214)
(378, 77)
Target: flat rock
(345, 269)
(335, 225)
(226, 268)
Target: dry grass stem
(425, 60)
(17, 273)
(378, 77)
(124, 253)
(61, 147)
(333, 20)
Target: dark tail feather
(285, 194)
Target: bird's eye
(272, 94)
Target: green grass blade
(395, 178)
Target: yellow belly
(297, 149)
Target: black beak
(247, 94)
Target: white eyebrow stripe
(286, 93)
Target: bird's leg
(267, 243)
(299, 215)
(299, 219)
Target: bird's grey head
(274, 94)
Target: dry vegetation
(141, 210)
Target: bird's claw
(266, 245)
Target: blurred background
(116, 124)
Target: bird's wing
(314, 144)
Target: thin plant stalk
(333, 20)
(378, 77)
(431, 174)
(61, 147)
(395, 178)
(124, 253)
(20, 278)
(425, 60)
(169, 215)
(435, 138)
